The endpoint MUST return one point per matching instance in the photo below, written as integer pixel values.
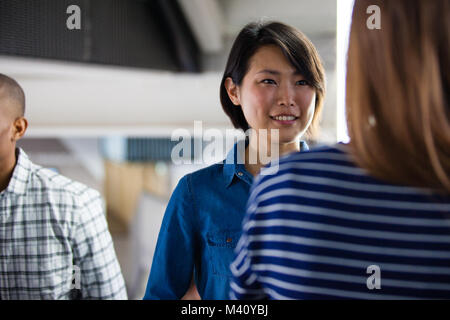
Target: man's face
(7, 143)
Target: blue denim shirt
(201, 227)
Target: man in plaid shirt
(54, 240)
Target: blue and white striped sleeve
(244, 283)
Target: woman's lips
(284, 119)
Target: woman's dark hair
(296, 47)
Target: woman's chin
(286, 140)
(289, 137)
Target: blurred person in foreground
(370, 219)
(273, 80)
(54, 240)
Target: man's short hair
(10, 89)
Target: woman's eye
(303, 83)
(268, 81)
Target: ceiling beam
(206, 21)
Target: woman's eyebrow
(275, 72)
(269, 71)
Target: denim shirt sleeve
(173, 261)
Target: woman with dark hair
(371, 219)
(273, 84)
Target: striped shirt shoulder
(336, 154)
(316, 228)
(331, 170)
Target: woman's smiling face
(273, 95)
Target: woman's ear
(233, 91)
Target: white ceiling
(216, 23)
(314, 18)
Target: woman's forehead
(270, 59)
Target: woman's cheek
(258, 101)
(306, 102)
(266, 99)
(307, 98)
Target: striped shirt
(54, 240)
(322, 228)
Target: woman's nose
(286, 95)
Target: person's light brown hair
(398, 84)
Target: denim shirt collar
(234, 165)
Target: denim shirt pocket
(221, 247)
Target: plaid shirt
(54, 240)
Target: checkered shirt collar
(21, 173)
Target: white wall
(68, 96)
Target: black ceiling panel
(145, 34)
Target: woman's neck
(254, 153)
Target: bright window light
(344, 18)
